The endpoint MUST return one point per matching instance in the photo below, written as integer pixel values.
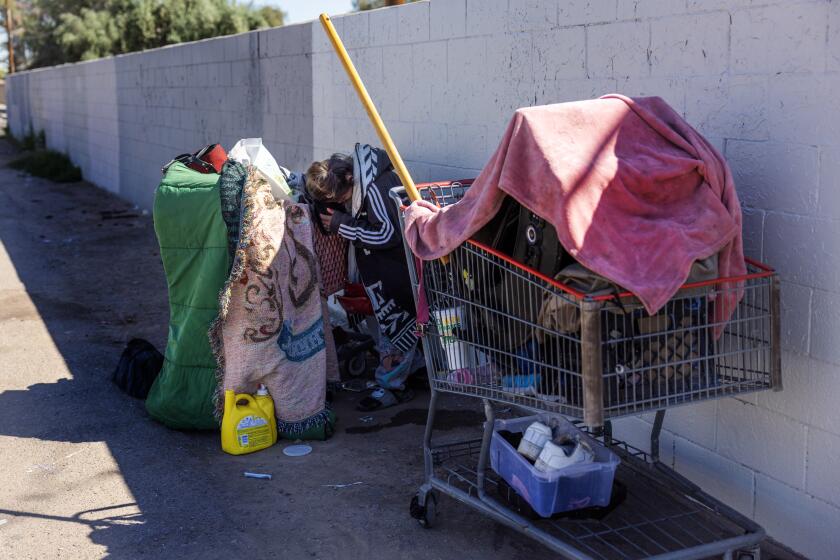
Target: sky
(305, 10)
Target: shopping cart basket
(594, 359)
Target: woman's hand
(326, 218)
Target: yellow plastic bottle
(246, 425)
(267, 405)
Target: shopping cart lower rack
(662, 516)
(505, 333)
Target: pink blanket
(635, 193)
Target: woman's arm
(376, 231)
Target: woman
(353, 192)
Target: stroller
(357, 354)
(356, 350)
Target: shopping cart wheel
(425, 514)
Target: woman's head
(331, 180)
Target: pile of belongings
(613, 195)
(246, 307)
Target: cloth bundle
(271, 327)
(563, 313)
(667, 346)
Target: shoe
(554, 457)
(534, 440)
(381, 398)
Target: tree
(274, 17)
(59, 31)
(10, 43)
(362, 5)
(10, 20)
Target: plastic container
(247, 426)
(448, 324)
(266, 403)
(575, 487)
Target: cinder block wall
(122, 118)
(760, 78)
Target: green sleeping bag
(193, 247)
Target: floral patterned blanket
(271, 324)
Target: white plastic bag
(250, 151)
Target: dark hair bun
(330, 180)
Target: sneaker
(534, 440)
(554, 457)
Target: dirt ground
(85, 473)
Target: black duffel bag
(496, 294)
(138, 368)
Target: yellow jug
(248, 425)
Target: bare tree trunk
(9, 35)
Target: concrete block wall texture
(758, 77)
(121, 119)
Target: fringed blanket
(270, 328)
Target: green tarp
(194, 250)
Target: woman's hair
(330, 180)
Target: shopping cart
(507, 334)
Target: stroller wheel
(356, 366)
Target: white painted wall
(760, 78)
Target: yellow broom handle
(373, 114)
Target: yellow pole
(373, 114)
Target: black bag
(208, 159)
(525, 237)
(487, 288)
(138, 368)
(537, 246)
(500, 232)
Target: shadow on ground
(87, 474)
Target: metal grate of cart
(504, 333)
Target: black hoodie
(374, 231)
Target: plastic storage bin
(575, 487)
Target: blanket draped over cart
(270, 328)
(634, 192)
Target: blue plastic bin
(575, 487)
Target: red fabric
(332, 260)
(422, 302)
(215, 156)
(208, 159)
(355, 300)
(635, 193)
